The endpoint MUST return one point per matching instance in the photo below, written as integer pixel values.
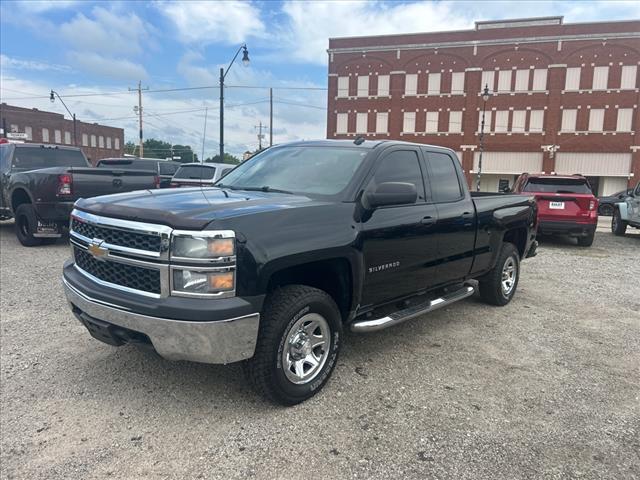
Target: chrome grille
(138, 241)
(129, 276)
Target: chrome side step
(411, 312)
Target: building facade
(96, 141)
(564, 97)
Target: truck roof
(370, 144)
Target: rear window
(32, 158)
(168, 168)
(557, 185)
(195, 172)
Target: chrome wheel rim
(509, 276)
(306, 348)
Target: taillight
(173, 185)
(65, 182)
(156, 180)
(592, 204)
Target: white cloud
(227, 22)
(311, 24)
(101, 66)
(107, 32)
(11, 63)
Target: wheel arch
(622, 207)
(518, 237)
(19, 196)
(335, 276)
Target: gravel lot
(547, 387)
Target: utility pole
(138, 110)
(270, 117)
(204, 133)
(260, 136)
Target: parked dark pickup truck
(39, 183)
(295, 245)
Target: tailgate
(92, 182)
(564, 206)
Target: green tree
(228, 158)
(154, 148)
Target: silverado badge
(96, 249)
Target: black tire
(26, 224)
(283, 310)
(586, 241)
(490, 285)
(605, 210)
(618, 226)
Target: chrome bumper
(223, 341)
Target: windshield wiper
(264, 188)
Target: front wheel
(26, 225)
(499, 285)
(618, 226)
(298, 344)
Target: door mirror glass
(391, 193)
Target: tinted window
(225, 171)
(32, 158)
(4, 156)
(557, 185)
(167, 168)
(444, 178)
(195, 172)
(309, 170)
(400, 166)
(125, 164)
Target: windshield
(557, 185)
(168, 168)
(32, 158)
(195, 172)
(311, 170)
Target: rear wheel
(586, 241)
(298, 344)
(26, 224)
(499, 285)
(618, 226)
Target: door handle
(467, 215)
(428, 221)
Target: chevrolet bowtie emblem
(96, 249)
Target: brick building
(564, 96)
(97, 141)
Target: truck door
(456, 226)
(398, 244)
(634, 206)
(5, 167)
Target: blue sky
(78, 47)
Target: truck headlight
(187, 281)
(206, 245)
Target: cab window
(400, 166)
(445, 184)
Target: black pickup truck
(39, 183)
(292, 247)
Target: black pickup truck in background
(295, 245)
(165, 169)
(39, 184)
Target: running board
(411, 312)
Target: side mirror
(390, 193)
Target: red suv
(566, 205)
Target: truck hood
(189, 208)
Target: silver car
(627, 213)
(200, 174)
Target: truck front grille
(121, 274)
(122, 238)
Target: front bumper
(573, 229)
(220, 341)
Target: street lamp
(52, 97)
(486, 94)
(223, 74)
